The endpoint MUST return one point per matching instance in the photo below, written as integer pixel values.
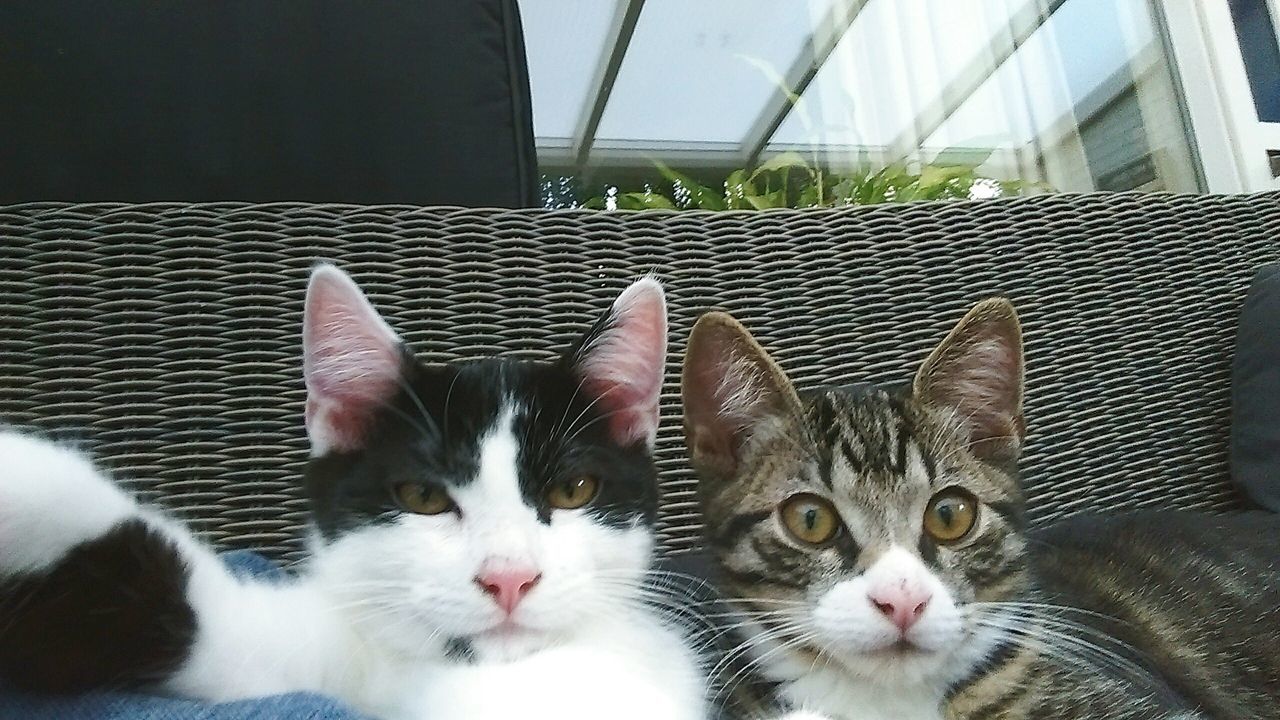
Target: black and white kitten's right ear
(351, 361)
(732, 391)
(976, 373)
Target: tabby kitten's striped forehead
(882, 457)
(859, 524)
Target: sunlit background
(1044, 95)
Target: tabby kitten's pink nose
(902, 606)
(508, 587)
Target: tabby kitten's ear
(976, 373)
(732, 392)
(351, 361)
(621, 362)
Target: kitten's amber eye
(573, 493)
(950, 515)
(423, 501)
(810, 518)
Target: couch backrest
(166, 336)
(325, 101)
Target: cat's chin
(901, 650)
(509, 641)
(897, 662)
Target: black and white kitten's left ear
(977, 374)
(352, 362)
(622, 359)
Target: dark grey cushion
(1255, 392)
(376, 101)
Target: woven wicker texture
(166, 336)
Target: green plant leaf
(894, 173)
(905, 193)
(595, 203)
(739, 182)
(884, 185)
(932, 175)
(644, 201)
(843, 190)
(775, 199)
(700, 196)
(736, 187)
(782, 161)
(808, 197)
(957, 156)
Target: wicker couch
(165, 336)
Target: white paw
(803, 715)
(52, 498)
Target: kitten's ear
(351, 361)
(732, 391)
(977, 374)
(622, 359)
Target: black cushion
(362, 101)
(1255, 392)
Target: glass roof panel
(564, 42)
(893, 62)
(698, 73)
(1087, 53)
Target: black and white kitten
(482, 534)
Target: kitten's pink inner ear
(623, 366)
(351, 362)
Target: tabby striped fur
(1153, 617)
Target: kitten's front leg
(98, 591)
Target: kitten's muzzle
(508, 586)
(901, 605)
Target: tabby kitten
(481, 542)
(873, 538)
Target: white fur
(599, 675)
(39, 481)
(860, 682)
(366, 622)
(829, 692)
(740, 392)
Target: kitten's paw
(52, 498)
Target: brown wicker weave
(166, 336)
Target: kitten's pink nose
(902, 605)
(508, 586)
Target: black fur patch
(113, 612)
(431, 433)
(928, 550)
(1012, 512)
(460, 651)
(738, 525)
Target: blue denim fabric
(135, 706)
